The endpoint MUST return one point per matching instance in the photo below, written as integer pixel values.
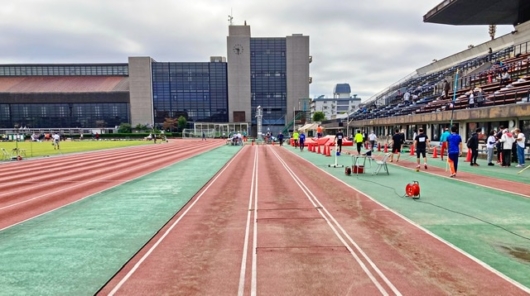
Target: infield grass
(36, 149)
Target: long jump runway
(270, 223)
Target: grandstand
(477, 67)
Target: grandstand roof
(479, 12)
(61, 84)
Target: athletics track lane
(31, 188)
(296, 253)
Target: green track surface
(476, 219)
(77, 249)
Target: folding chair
(382, 164)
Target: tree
(318, 116)
(125, 128)
(141, 127)
(169, 124)
(182, 121)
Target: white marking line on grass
(166, 233)
(329, 219)
(253, 187)
(481, 263)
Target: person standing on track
(338, 138)
(295, 138)
(56, 140)
(474, 147)
(372, 138)
(454, 144)
(397, 142)
(319, 131)
(301, 139)
(358, 141)
(490, 144)
(421, 142)
(443, 142)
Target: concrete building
(269, 72)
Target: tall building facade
(269, 72)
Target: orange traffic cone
(386, 148)
(318, 151)
(328, 150)
(378, 147)
(411, 149)
(434, 154)
(468, 157)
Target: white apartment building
(341, 103)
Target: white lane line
(321, 209)
(166, 233)
(243, 270)
(254, 281)
(476, 260)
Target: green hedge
(124, 136)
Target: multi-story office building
(269, 72)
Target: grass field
(36, 149)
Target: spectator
(56, 140)
(421, 142)
(319, 131)
(490, 144)
(473, 145)
(505, 78)
(507, 141)
(479, 97)
(498, 145)
(406, 97)
(338, 137)
(280, 139)
(471, 100)
(358, 141)
(372, 138)
(454, 142)
(445, 89)
(520, 140)
(397, 141)
(301, 139)
(443, 142)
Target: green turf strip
(76, 249)
(446, 205)
(39, 149)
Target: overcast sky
(369, 44)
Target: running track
(272, 224)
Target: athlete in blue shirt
(454, 142)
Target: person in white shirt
(56, 140)
(490, 145)
(372, 138)
(520, 140)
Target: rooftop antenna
(230, 17)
